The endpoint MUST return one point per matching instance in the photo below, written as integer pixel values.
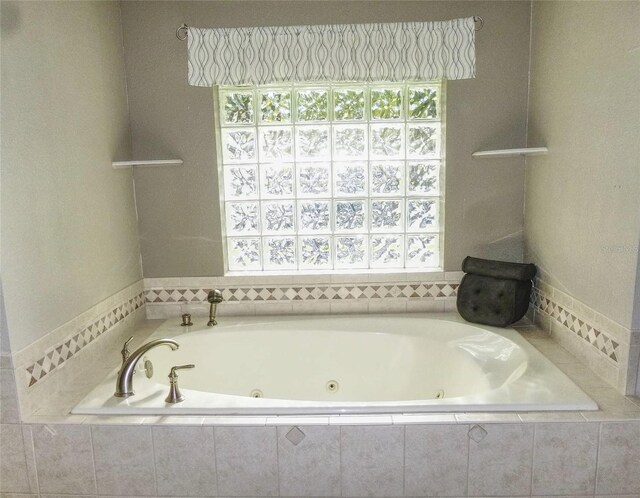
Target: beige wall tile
(64, 459)
(425, 305)
(350, 306)
(618, 459)
(388, 305)
(13, 467)
(310, 307)
(185, 461)
(246, 461)
(372, 460)
(311, 467)
(436, 460)
(124, 460)
(500, 464)
(564, 459)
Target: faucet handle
(125, 350)
(175, 396)
(173, 373)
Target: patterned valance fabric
(345, 52)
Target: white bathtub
(343, 364)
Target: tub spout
(124, 383)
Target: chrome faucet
(214, 297)
(124, 383)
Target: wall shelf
(529, 151)
(159, 162)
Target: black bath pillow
(499, 269)
(494, 292)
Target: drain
(256, 393)
(440, 394)
(333, 386)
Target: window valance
(408, 51)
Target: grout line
(215, 458)
(340, 451)
(468, 458)
(595, 481)
(404, 460)
(33, 455)
(93, 459)
(93, 455)
(153, 459)
(275, 429)
(533, 456)
(215, 463)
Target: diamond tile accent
(439, 290)
(295, 436)
(477, 433)
(58, 354)
(597, 338)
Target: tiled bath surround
(257, 295)
(609, 349)
(440, 457)
(72, 357)
(467, 454)
(570, 454)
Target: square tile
(372, 460)
(64, 459)
(246, 461)
(500, 464)
(123, 460)
(564, 459)
(312, 466)
(185, 461)
(436, 460)
(618, 459)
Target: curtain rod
(181, 32)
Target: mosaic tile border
(286, 293)
(56, 355)
(588, 332)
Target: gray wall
(178, 207)
(68, 226)
(583, 199)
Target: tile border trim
(312, 292)
(585, 329)
(121, 306)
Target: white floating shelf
(159, 162)
(530, 151)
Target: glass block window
(332, 176)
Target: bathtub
(342, 364)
